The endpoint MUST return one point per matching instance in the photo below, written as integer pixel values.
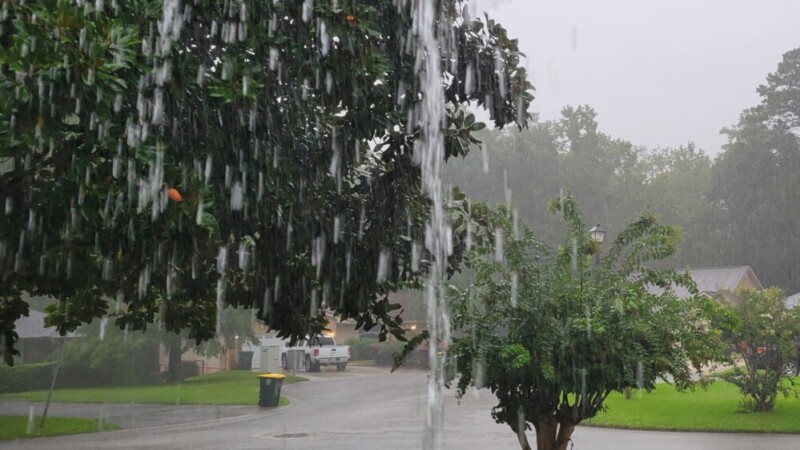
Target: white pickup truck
(321, 351)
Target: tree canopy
(754, 185)
(738, 208)
(162, 160)
(553, 331)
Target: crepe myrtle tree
(164, 159)
(763, 331)
(552, 332)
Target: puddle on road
(290, 435)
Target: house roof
(33, 326)
(713, 280)
(792, 300)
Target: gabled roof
(33, 326)
(714, 281)
(711, 280)
(792, 300)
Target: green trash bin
(269, 392)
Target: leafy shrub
(387, 350)
(119, 359)
(362, 348)
(38, 376)
(25, 377)
(761, 319)
(384, 353)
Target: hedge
(25, 377)
(383, 353)
(362, 348)
(32, 377)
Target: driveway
(362, 408)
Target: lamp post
(598, 234)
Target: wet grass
(223, 388)
(714, 409)
(17, 427)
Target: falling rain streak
(437, 230)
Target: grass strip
(715, 409)
(20, 427)
(222, 388)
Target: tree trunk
(546, 434)
(763, 405)
(523, 440)
(564, 436)
(519, 429)
(175, 352)
(551, 436)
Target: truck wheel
(309, 366)
(341, 366)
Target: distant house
(36, 341)
(413, 317)
(719, 283)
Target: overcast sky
(658, 73)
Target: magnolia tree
(164, 159)
(552, 332)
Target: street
(362, 408)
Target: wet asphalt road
(362, 408)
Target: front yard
(20, 427)
(223, 388)
(714, 409)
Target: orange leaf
(174, 195)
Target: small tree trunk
(763, 405)
(523, 441)
(519, 429)
(174, 350)
(564, 436)
(546, 434)
(552, 435)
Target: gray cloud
(657, 73)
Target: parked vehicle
(321, 351)
(770, 357)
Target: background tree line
(740, 208)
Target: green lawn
(715, 409)
(16, 427)
(222, 388)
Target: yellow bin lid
(272, 375)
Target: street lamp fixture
(598, 233)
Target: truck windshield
(324, 340)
